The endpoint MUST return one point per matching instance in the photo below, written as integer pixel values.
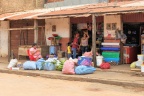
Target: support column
(35, 31)
(9, 52)
(94, 39)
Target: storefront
(133, 28)
(132, 25)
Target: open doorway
(132, 47)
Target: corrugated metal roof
(101, 8)
(77, 11)
(31, 14)
(20, 15)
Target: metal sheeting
(75, 11)
(86, 19)
(133, 17)
(101, 9)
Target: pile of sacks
(80, 66)
(42, 64)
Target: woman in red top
(35, 52)
(75, 45)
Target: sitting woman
(35, 52)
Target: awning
(23, 15)
(31, 14)
(99, 9)
(78, 11)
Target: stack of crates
(111, 56)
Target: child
(69, 50)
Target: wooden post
(35, 31)
(94, 39)
(9, 52)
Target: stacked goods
(111, 51)
(111, 56)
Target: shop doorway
(81, 28)
(132, 31)
(132, 47)
(87, 27)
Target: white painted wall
(62, 28)
(4, 38)
(112, 19)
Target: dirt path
(17, 85)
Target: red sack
(105, 65)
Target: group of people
(75, 45)
(78, 44)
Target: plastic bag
(49, 66)
(105, 66)
(29, 65)
(40, 64)
(68, 67)
(82, 60)
(84, 69)
(12, 63)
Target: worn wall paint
(109, 19)
(118, 0)
(20, 5)
(4, 38)
(62, 28)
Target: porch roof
(99, 9)
(30, 14)
(78, 11)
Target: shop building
(108, 15)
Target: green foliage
(54, 62)
(60, 66)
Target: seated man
(35, 52)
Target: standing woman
(84, 42)
(75, 45)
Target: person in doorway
(120, 35)
(84, 42)
(69, 50)
(35, 52)
(75, 45)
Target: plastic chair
(31, 56)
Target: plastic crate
(112, 59)
(111, 54)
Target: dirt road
(17, 85)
